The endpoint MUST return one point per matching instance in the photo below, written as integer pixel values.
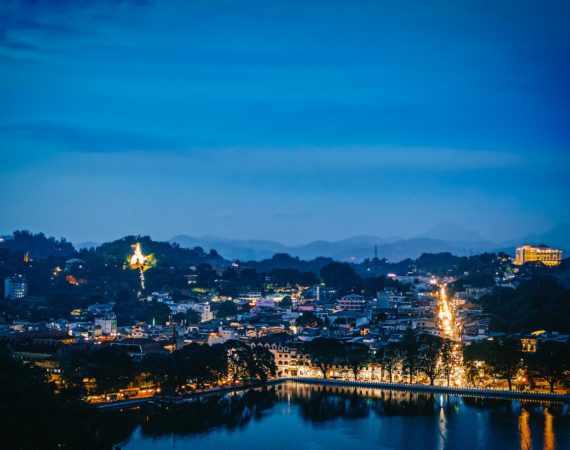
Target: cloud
(28, 24)
(82, 139)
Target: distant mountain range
(443, 238)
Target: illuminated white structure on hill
(140, 262)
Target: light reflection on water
(299, 416)
(549, 441)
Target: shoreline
(461, 392)
(471, 392)
(133, 403)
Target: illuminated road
(446, 317)
(450, 329)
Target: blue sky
(283, 120)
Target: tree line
(434, 358)
(417, 353)
(195, 366)
(503, 359)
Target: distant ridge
(441, 238)
(352, 249)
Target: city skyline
(284, 122)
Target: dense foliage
(537, 304)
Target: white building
(15, 287)
(250, 297)
(201, 308)
(107, 323)
(223, 335)
(352, 302)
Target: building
(529, 343)
(352, 302)
(201, 308)
(107, 323)
(250, 297)
(222, 335)
(540, 253)
(265, 303)
(15, 287)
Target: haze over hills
(443, 238)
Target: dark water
(313, 417)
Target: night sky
(284, 120)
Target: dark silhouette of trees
(551, 362)
(449, 359)
(429, 355)
(324, 352)
(356, 356)
(111, 367)
(226, 309)
(200, 365)
(341, 276)
(308, 319)
(262, 365)
(155, 312)
(33, 417)
(389, 357)
(249, 363)
(537, 304)
(37, 246)
(410, 346)
(503, 357)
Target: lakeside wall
(495, 393)
(464, 392)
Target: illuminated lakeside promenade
(455, 391)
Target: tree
(410, 346)
(389, 357)
(111, 367)
(324, 352)
(308, 319)
(240, 360)
(263, 364)
(429, 354)
(160, 369)
(226, 309)
(550, 362)
(33, 417)
(286, 302)
(356, 356)
(74, 368)
(449, 359)
(155, 312)
(537, 304)
(201, 365)
(341, 276)
(502, 357)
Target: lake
(294, 416)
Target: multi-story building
(15, 287)
(539, 253)
(290, 360)
(107, 323)
(352, 302)
(250, 297)
(201, 308)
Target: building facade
(352, 302)
(15, 287)
(541, 253)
